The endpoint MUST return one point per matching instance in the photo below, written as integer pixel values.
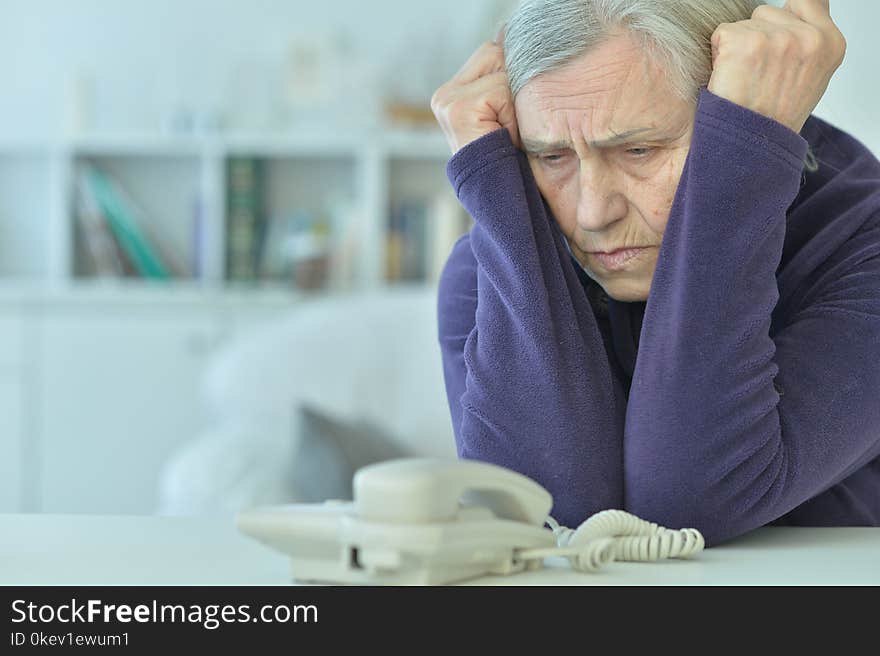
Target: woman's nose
(600, 202)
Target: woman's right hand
(477, 100)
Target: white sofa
(369, 358)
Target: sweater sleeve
(726, 428)
(528, 380)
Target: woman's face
(607, 139)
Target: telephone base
(317, 572)
(331, 544)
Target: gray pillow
(328, 451)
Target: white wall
(147, 57)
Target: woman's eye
(552, 159)
(639, 152)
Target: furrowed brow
(536, 146)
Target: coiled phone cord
(617, 535)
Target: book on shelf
(101, 255)
(344, 258)
(421, 233)
(246, 225)
(407, 240)
(197, 244)
(138, 246)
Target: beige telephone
(432, 521)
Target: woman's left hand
(779, 62)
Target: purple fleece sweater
(745, 391)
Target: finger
(494, 90)
(499, 38)
(487, 59)
(775, 15)
(815, 12)
(507, 118)
(493, 85)
(735, 31)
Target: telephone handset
(433, 521)
(425, 490)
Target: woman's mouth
(618, 259)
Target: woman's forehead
(613, 89)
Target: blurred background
(221, 226)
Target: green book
(245, 223)
(121, 219)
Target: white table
(143, 550)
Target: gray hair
(544, 35)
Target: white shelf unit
(166, 177)
(100, 378)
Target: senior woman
(669, 301)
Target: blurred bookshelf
(307, 212)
